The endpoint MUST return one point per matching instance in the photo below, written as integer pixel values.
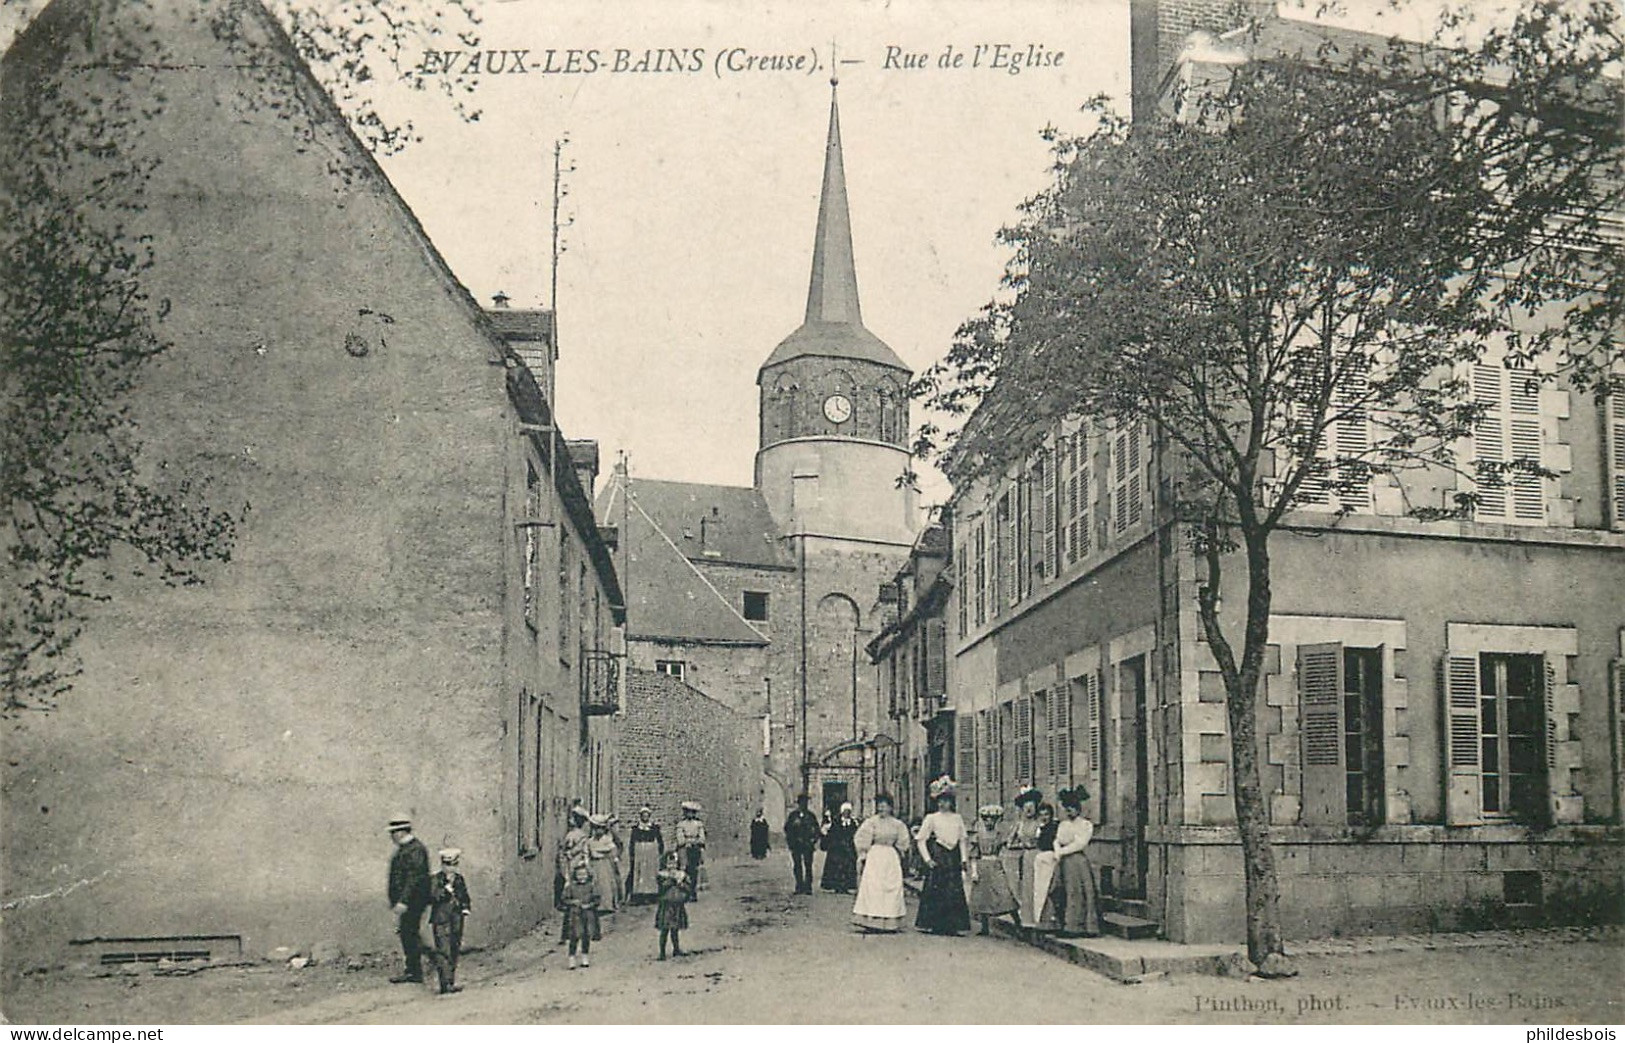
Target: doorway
(835, 794)
(1136, 792)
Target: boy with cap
(449, 895)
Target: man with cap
(408, 894)
(801, 834)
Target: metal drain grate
(176, 948)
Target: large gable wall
(228, 759)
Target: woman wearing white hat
(690, 845)
(602, 851)
(840, 853)
(942, 844)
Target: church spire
(832, 295)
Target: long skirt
(642, 885)
(880, 891)
(692, 861)
(990, 893)
(672, 916)
(840, 868)
(603, 875)
(1080, 912)
(942, 899)
(1019, 865)
(1046, 891)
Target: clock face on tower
(838, 408)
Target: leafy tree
(84, 502)
(1309, 245)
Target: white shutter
(1352, 431)
(1489, 438)
(1523, 426)
(1136, 469)
(1464, 781)
(1051, 565)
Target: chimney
(584, 458)
(500, 299)
(711, 533)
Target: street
(763, 955)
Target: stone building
(1440, 725)
(419, 614)
(911, 655)
(764, 597)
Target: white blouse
(1073, 835)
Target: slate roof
(667, 596)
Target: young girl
(990, 893)
(671, 916)
(581, 900)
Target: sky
(693, 196)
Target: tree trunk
(1264, 944)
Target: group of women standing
(627, 873)
(1037, 870)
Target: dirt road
(761, 954)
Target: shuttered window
(1048, 564)
(1023, 718)
(1614, 436)
(1078, 535)
(1616, 705)
(1004, 559)
(935, 637)
(1041, 761)
(962, 594)
(1502, 739)
(965, 739)
(1095, 716)
(981, 572)
(1320, 689)
(1060, 734)
(1508, 431)
(1329, 481)
(1126, 466)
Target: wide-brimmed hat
(691, 805)
(942, 787)
(1028, 795)
(599, 819)
(1074, 796)
(990, 811)
(399, 822)
(580, 814)
(450, 855)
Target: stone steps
(1133, 928)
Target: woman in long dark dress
(841, 853)
(648, 847)
(942, 843)
(758, 836)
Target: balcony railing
(600, 683)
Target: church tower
(834, 398)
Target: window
(1077, 496)
(1126, 471)
(1614, 439)
(981, 572)
(671, 668)
(1511, 731)
(962, 589)
(1331, 481)
(755, 605)
(566, 573)
(965, 734)
(1022, 714)
(1498, 747)
(1340, 708)
(1508, 431)
(533, 511)
(1004, 555)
